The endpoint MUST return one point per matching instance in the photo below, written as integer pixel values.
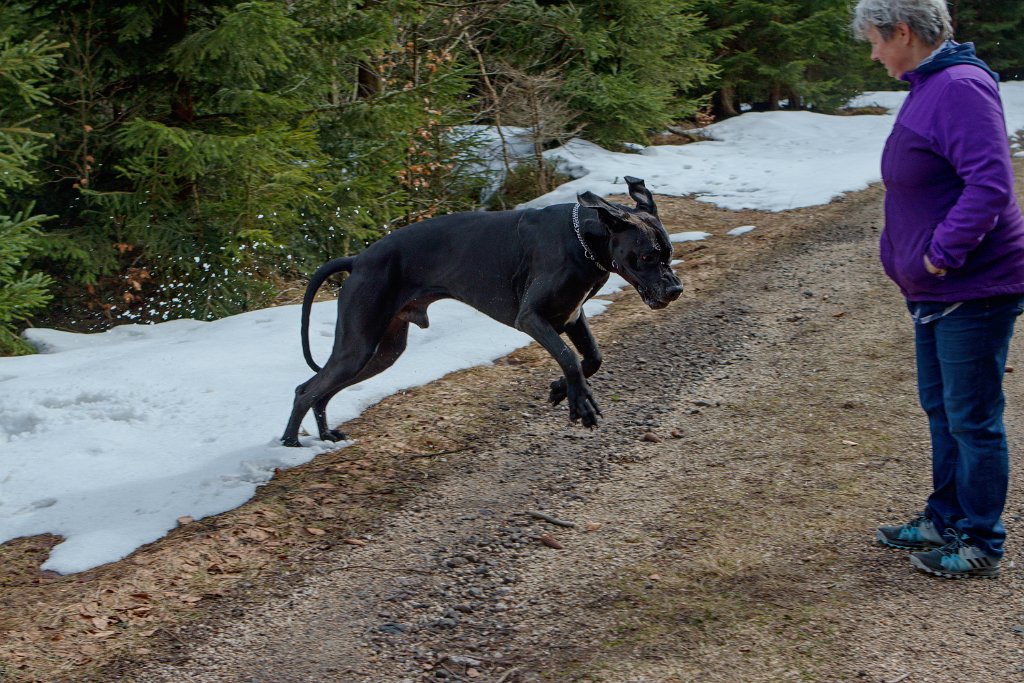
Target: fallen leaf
(847, 442)
(354, 541)
(102, 634)
(316, 532)
(551, 542)
(256, 534)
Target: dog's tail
(338, 265)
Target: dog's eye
(649, 257)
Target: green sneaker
(958, 559)
(917, 534)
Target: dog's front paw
(582, 406)
(558, 391)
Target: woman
(954, 243)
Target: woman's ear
(903, 33)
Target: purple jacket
(949, 190)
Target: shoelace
(954, 546)
(917, 521)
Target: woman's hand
(930, 267)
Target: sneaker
(956, 560)
(917, 534)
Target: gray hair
(928, 19)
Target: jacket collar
(948, 54)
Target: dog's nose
(673, 292)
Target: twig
(434, 455)
(553, 520)
(480, 658)
(900, 678)
(381, 569)
(170, 634)
(508, 673)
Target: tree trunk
(367, 80)
(182, 104)
(723, 104)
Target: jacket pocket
(908, 264)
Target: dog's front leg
(582, 405)
(583, 339)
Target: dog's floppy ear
(618, 214)
(641, 195)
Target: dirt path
(735, 546)
(755, 433)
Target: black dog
(530, 269)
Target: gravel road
(718, 526)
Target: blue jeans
(961, 358)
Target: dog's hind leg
(320, 414)
(359, 330)
(391, 346)
(583, 339)
(316, 392)
(350, 364)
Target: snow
(107, 439)
(689, 236)
(494, 150)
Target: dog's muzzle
(660, 299)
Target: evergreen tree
(26, 64)
(397, 94)
(996, 29)
(776, 51)
(625, 64)
(202, 148)
(184, 153)
(640, 57)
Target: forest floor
(722, 517)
